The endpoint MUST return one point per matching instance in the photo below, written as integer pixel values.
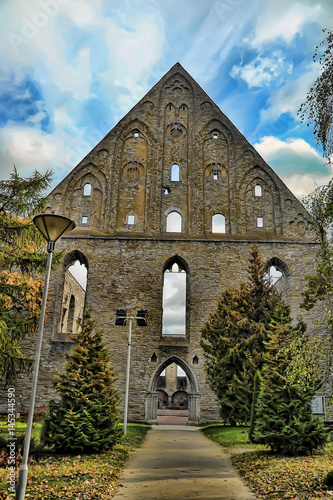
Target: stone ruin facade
(173, 187)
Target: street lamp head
(53, 227)
(121, 317)
(141, 316)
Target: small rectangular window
(257, 190)
(131, 220)
(260, 222)
(84, 219)
(216, 174)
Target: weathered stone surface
(122, 239)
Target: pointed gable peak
(178, 77)
(178, 68)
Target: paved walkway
(178, 463)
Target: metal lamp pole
(128, 372)
(52, 228)
(121, 318)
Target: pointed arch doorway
(193, 399)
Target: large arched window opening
(174, 223)
(174, 300)
(277, 275)
(172, 386)
(192, 390)
(74, 293)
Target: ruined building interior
(166, 208)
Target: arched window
(174, 223)
(218, 224)
(175, 172)
(174, 300)
(273, 275)
(87, 189)
(74, 293)
(257, 190)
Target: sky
(71, 69)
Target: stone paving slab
(172, 417)
(180, 463)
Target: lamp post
(52, 227)
(121, 318)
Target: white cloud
(284, 21)
(132, 56)
(79, 271)
(215, 38)
(30, 148)
(27, 146)
(83, 13)
(288, 99)
(174, 299)
(297, 163)
(262, 70)
(302, 185)
(269, 146)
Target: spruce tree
(233, 340)
(284, 420)
(222, 339)
(255, 395)
(86, 417)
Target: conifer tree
(255, 395)
(86, 417)
(234, 339)
(284, 420)
(22, 256)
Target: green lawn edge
(87, 476)
(274, 476)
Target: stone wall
(120, 197)
(133, 278)
(73, 301)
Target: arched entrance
(192, 391)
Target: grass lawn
(273, 476)
(80, 477)
(229, 437)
